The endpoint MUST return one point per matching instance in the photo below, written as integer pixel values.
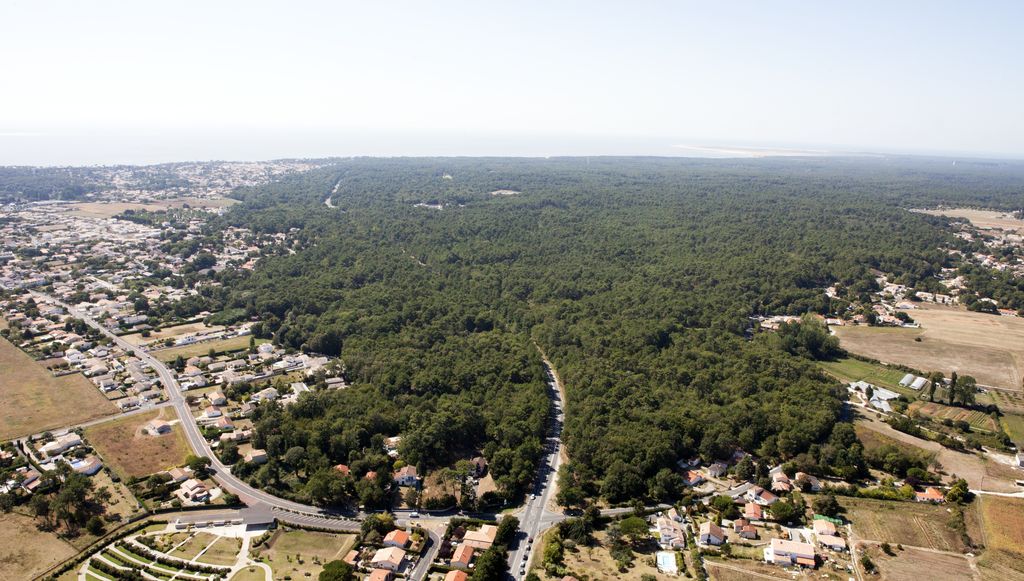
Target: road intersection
(538, 514)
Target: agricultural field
(982, 218)
(908, 523)
(989, 347)
(914, 563)
(745, 570)
(1009, 402)
(199, 349)
(32, 400)
(171, 333)
(27, 550)
(129, 451)
(848, 370)
(1013, 425)
(295, 553)
(937, 411)
(1002, 521)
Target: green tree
(337, 571)
(507, 529)
(94, 526)
(491, 565)
(635, 528)
(827, 505)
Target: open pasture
(988, 347)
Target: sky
(141, 82)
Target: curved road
(536, 516)
(252, 496)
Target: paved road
(535, 517)
(286, 510)
(540, 511)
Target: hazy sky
(105, 81)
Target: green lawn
(850, 369)
(1014, 426)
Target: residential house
(380, 575)
(343, 468)
(781, 483)
(390, 558)
(753, 511)
(217, 398)
(693, 478)
(481, 538)
(61, 444)
(157, 427)
(462, 557)
(224, 423)
(832, 542)
(88, 466)
(256, 456)
(744, 529)
(718, 469)
(194, 490)
(711, 534)
(786, 553)
(823, 527)
(456, 576)
(397, 538)
(807, 482)
(930, 494)
(267, 394)
(406, 476)
(671, 533)
(179, 475)
(761, 496)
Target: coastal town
(99, 306)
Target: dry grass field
(219, 346)
(291, 552)
(171, 332)
(908, 523)
(25, 551)
(989, 347)
(250, 574)
(223, 552)
(32, 400)
(109, 210)
(982, 218)
(1002, 521)
(912, 563)
(980, 472)
(131, 452)
(597, 563)
(978, 420)
(746, 570)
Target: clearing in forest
(989, 347)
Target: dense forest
(636, 276)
